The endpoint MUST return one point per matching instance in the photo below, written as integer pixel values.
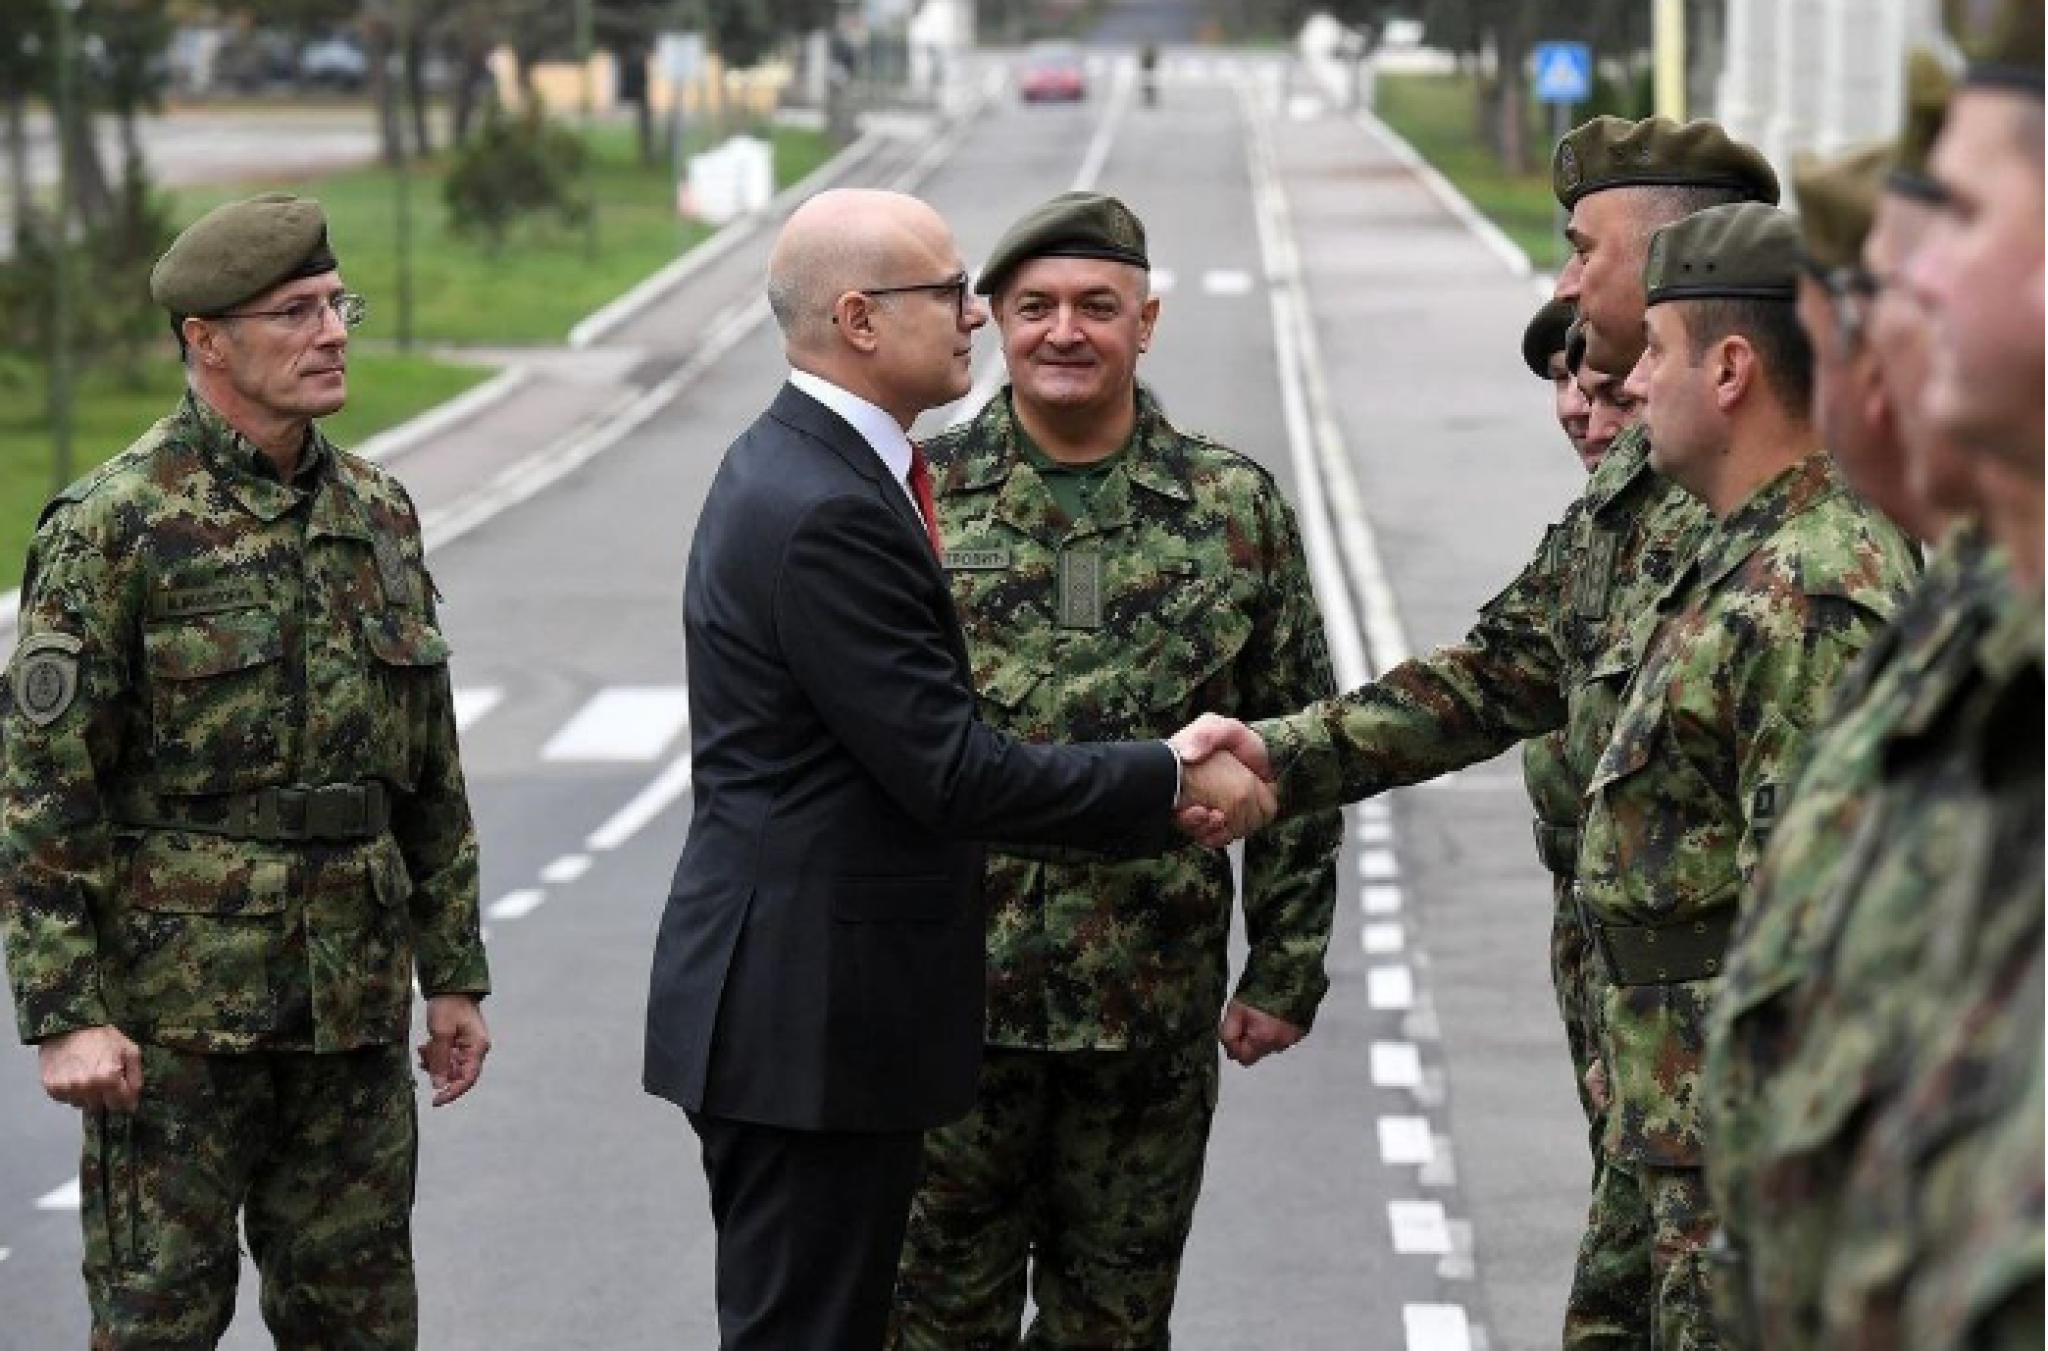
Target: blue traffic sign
(1564, 72)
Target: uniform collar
(1797, 490)
(1151, 459)
(245, 470)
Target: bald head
(848, 239)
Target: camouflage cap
(1612, 152)
(1545, 336)
(1744, 249)
(1928, 83)
(2001, 41)
(241, 249)
(1071, 225)
(1837, 201)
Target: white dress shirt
(876, 427)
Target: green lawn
(384, 390)
(545, 280)
(1434, 114)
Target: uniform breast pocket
(218, 701)
(409, 660)
(1190, 633)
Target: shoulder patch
(46, 676)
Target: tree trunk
(384, 94)
(472, 73)
(416, 94)
(22, 192)
(1511, 85)
(92, 199)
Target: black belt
(1665, 954)
(1557, 847)
(328, 811)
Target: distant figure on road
(816, 996)
(1115, 576)
(235, 827)
(1148, 73)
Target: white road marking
(1226, 281)
(625, 723)
(1378, 865)
(516, 904)
(565, 869)
(1377, 830)
(1162, 280)
(1396, 1064)
(1374, 809)
(6, 1253)
(1390, 987)
(1405, 1141)
(1380, 900)
(1436, 1327)
(472, 704)
(1419, 1227)
(1381, 939)
(649, 803)
(63, 1198)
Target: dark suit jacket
(819, 964)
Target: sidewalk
(1459, 467)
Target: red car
(1052, 74)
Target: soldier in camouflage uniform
(1801, 1032)
(1742, 651)
(1114, 576)
(235, 825)
(1938, 1241)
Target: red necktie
(921, 491)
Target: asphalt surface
(1412, 1176)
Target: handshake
(1226, 791)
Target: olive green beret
(1545, 336)
(1927, 89)
(241, 249)
(2001, 41)
(1612, 152)
(1837, 201)
(1071, 225)
(1744, 249)
(1575, 346)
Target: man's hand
(92, 1069)
(1249, 1036)
(1229, 801)
(1212, 732)
(457, 1042)
(1596, 1086)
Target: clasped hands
(1226, 789)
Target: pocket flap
(928, 898)
(186, 874)
(1008, 686)
(398, 638)
(211, 645)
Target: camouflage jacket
(1184, 590)
(194, 633)
(1937, 1240)
(1744, 650)
(1795, 1041)
(1552, 651)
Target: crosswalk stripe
(649, 803)
(626, 723)
(65, 1197)
(1436, 1327)
(1419, 1227)
(472, 703)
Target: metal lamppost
(60, 318)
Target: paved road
(1412, 1176)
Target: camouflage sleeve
(437, 839)
(1290, 871)
(1428, 716)
(64, 723)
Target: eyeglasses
(957, 284)
(347, 306)
(1852, 290)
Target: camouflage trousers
(314, 1153)
(1571, 970)
(1641, 1276)
(1083, 1166)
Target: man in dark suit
(816, 998)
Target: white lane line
(651, 802)
(63, 1198)
(1162, 280)
(6, 1253)
(1378, 865)
(1396, 1064)
(1381, 939)
(1226, 281)
(1377, 830)
(1436, 1327)
(565, 869)
(626, 723)
(1374, 809)
(1380, 900)
(516, 904)
(1390, 987)
(1419, 1227)
(472, 704)
(1405, 1140)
